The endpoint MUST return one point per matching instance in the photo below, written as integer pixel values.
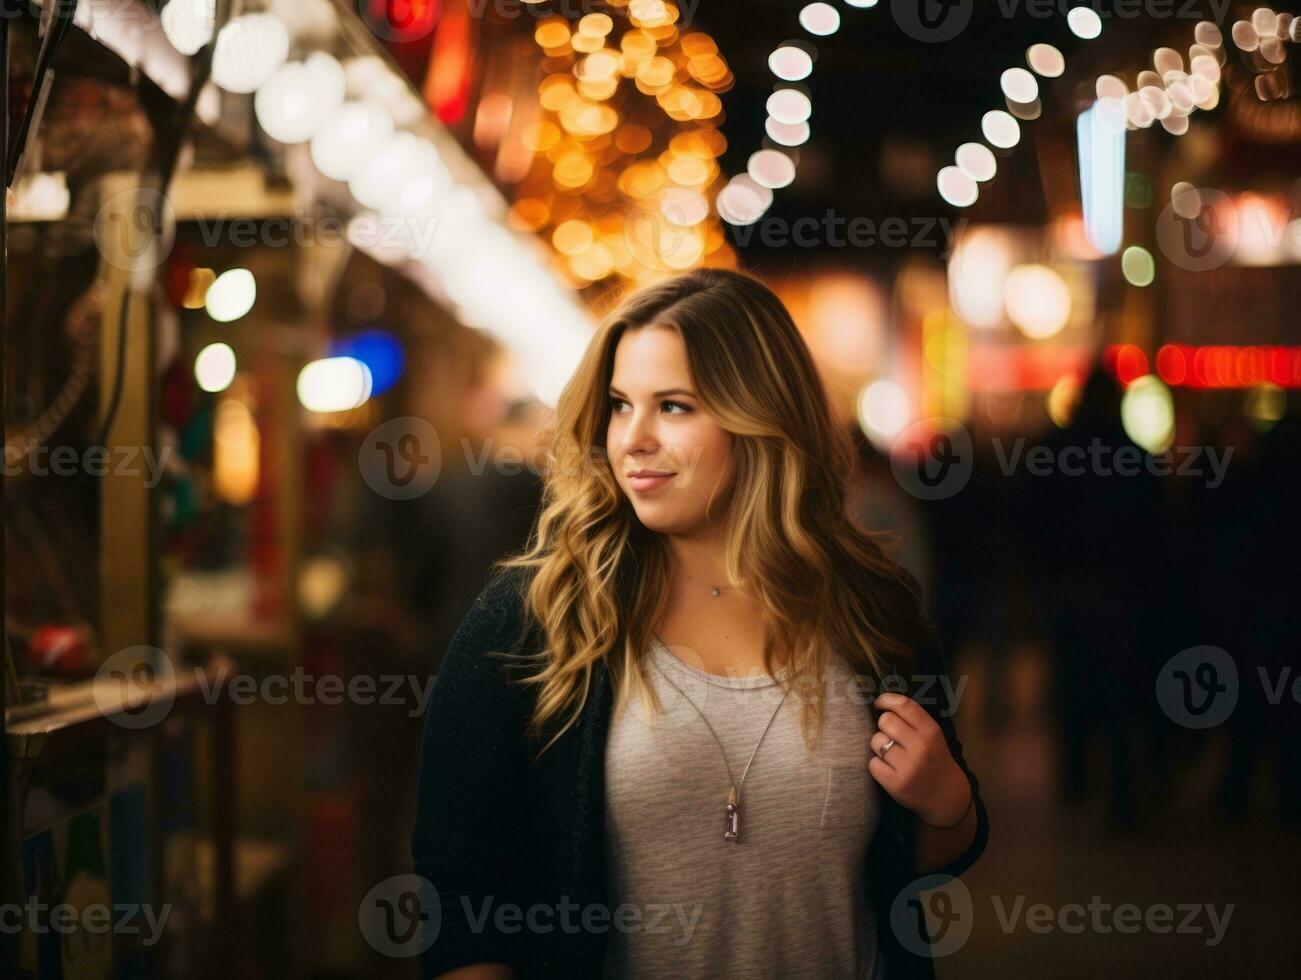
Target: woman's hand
(918, 771)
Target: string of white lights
(746, 197)
(1169, 94)
(1261, 41)
(974, 163)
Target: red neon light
(451, 69)
(1209, 366)
(1172, 365)
(1126, 362)
(401, 21)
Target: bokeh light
(1138, 266)
(214, 367)
(1147, 413)
(1037, 300)
(231, 295)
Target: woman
(658, 745)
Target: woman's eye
(670, 407)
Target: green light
(1138, 191)
(1138, 266)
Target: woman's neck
(698, 563)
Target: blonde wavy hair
(600, 577)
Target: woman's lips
(645, 484)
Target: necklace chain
(732, 825)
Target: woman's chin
(661, 520)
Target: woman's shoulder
(504, 591)
(496, 621)
(480, 660)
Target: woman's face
(669, 456)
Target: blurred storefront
(217, 292)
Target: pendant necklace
(732, 810)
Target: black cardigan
(493, 828)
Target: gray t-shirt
(786, 898)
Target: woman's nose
(640, 434)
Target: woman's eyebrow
(657, 394)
